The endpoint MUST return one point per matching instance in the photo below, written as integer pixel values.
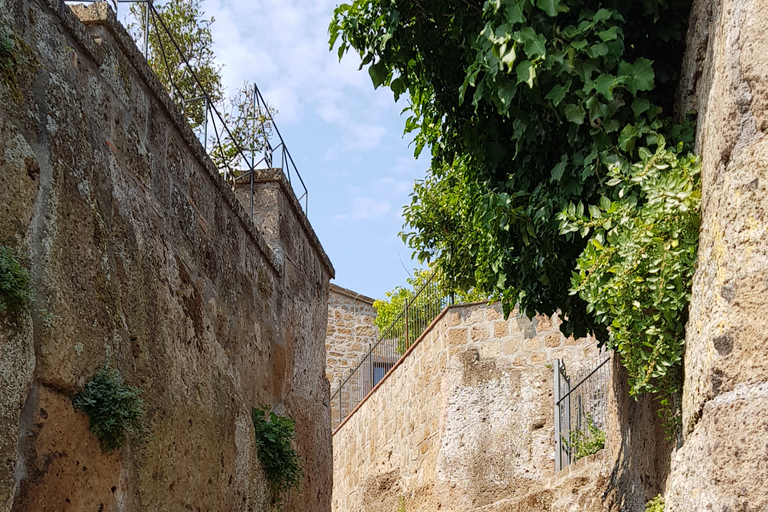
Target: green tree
(249, 127)
(182, 22)
(555, 158)
(180, 49)
(521, 102)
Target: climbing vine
(635, 273)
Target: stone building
(351, 331)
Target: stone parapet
(464, 420)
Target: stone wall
(464, 421)
(351, 332)
(722, 462)
(143, 259)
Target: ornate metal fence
(581, 408)
(238, 157)
(419, 311)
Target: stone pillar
(722, 462)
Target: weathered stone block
(553, 340)
(457, 336)
(479, 333)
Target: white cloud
(282, 45)
(367, 208)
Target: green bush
(582, 444)
(636, 272)
(282, 464)
(14, 282)
(655, 505)
(113, 407)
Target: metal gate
(580, 410)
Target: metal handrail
(574, 387)
(212, 113)
(391, 346)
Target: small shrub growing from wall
(586, 443)
(281, 463)
(114, 409)
(14, 282)
(655, 505)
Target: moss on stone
(14, 53)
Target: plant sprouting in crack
(281, 462)
(114, 408)
(15, 292)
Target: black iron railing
(581, 409)
(238, 158)
(417, 314)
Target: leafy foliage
(191, 31)
(14, 282)
(249, 128)
(585, 443)
(114, 409)
(282, 464)
(521, 103)
(635, 273)
(535, 107)
(655, 505)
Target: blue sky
(345, 137)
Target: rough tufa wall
(143, 259)
(465, 420)
(722, 463)
(351, 332)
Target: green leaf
(507, 93)
(378, 73)
(534, 44)
(574, 113)
(548, 6)
(398, 87)
(556, 94)
(602, 15)
(609, 34)
(627, 137)
(509, 56)
(640, 75)
(605, 84)
(513, 13)
(640, 105)
(559, 169)
(526, 73)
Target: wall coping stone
(351, 294)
